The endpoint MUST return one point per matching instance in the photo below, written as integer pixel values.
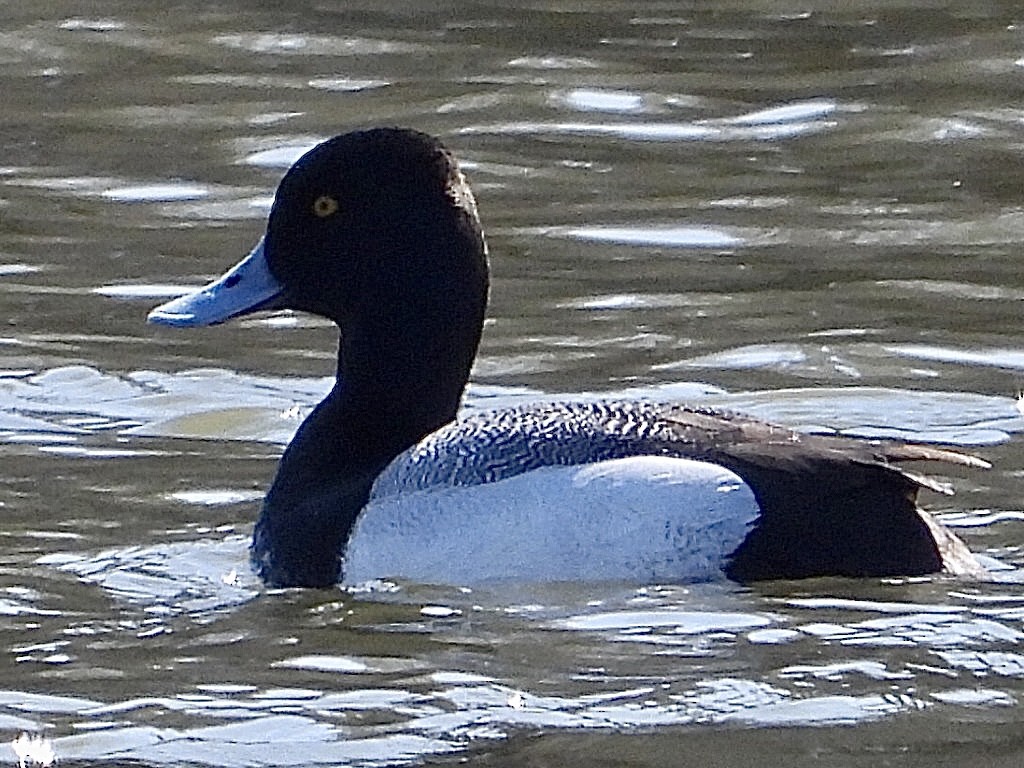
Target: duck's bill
(246, 287)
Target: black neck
(402, 368)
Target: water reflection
(780, 122)
(364, 709)
(66, 404)
(676, 237)
(660, 131)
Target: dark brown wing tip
(918, 452)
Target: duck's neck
(399, 379)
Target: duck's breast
(641, 519)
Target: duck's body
(642, 491)
(378, 231)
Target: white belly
(643, 519)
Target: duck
(378, 231)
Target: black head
(372, 226)
(378, 231)
(373, 218)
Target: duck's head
(371, 229)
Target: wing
(829, 505)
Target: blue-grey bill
(246, 287)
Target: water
(814, 217)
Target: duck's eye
(325, 206)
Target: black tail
(831, 505)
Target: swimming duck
(378, 231)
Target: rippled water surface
(810, 215)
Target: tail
(840, 506)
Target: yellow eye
(325, 206)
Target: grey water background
(810, 212)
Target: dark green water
(811, 216)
